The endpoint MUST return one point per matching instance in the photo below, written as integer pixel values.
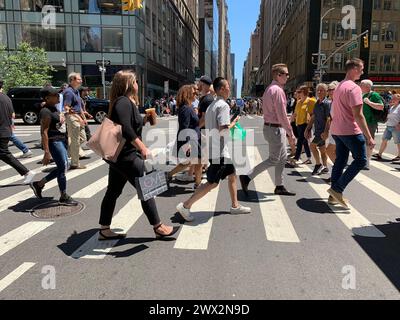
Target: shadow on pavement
(384, 252)
(26, 206)
(175, 191)
(75, 240)
(319, 206)
(254, 197)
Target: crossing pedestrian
(331, 148)
(75, 120)
(6, 116)
(84, 93)
(218, 123)
(319, 117)
(131, 161)
(304, 108)
(348, 126)
(188, 136)
(276, 127)
(392, 129)
(54, 144)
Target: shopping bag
(151, 185)
(238, 133)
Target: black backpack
(381, 115)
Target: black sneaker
(66, 200)
(36, 189)
(281, 191)
(316, 169)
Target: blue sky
(242, 20)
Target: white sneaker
(26, 155)
(185, 213)
(185, 178)
(240, 210)
(29, 177)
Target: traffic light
(131, 5)
(366, 41)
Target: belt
(274, 125)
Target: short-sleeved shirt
(394, 116)
(72, 98)
(6, 111)
(187, 119)
(302, 109)
(347, 96)
(218, 115)
(53, 114)
(322, 111)
(367, 110)
(204, 103)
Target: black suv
(27, 103)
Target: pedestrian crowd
(339, 119)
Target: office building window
(2, 5)
(325, 30)
(337, 31)
(373, 64)
(387, 5)
(389, 32)
(375, 31)
(91, 39)
(3, 35)
(388, 63)
(377, 4)
(37, 5)
(112, 39)
(48, 39)
(101, 6)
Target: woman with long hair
(188, 138)
(130, 164)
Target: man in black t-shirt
(206, 98)
(6, 112)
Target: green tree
(27, 66)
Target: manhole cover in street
(53, 210)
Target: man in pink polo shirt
(276, 126)
(347, 128)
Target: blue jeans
(355, 144)
(18, 143)
(58, 150)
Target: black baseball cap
(207, 80)
(49, 91)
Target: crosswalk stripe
(250, 117)
(195, 235)
(13, 200)
(277, 223)
(17, 236)
(353, 219)
(15, 275)
(25, 161)
(91, 190)
(124, 220)
(25, 134)
(18, 177)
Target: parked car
(98, 108)
(27, 103)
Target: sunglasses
(286, 74)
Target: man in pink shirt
(347, 128)
(276, 126)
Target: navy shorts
(218, 170)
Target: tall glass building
(159, 41)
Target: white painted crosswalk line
(277, 223)
(15, 275)
(19, 235)
(91, 190)
(250, 117)
(24, 161)
(13, 200)
(352, 219)
(195, 235)
(124, 220)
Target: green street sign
(353, 46)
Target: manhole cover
(53, 210)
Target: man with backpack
(373, 109)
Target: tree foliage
(27, 66)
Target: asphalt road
(288, 248)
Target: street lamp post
(320, 43)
